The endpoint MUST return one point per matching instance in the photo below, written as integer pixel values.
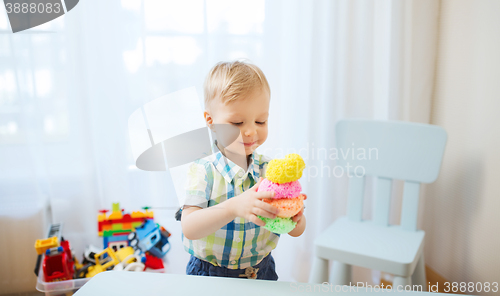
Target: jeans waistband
(239, 270)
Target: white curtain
(68, 87)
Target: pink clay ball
(283, 190)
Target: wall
(462, 207)
(19, 229)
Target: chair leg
(319, 271)
(418, 276)
(401, 281)
(341, 273)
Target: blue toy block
(113, 239)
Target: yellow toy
(282, 177)
(109, 262)
(285, 170)
(41, 245)
(125, 253)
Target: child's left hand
(299, 215)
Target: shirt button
(240, 174)
(238, 240)
(233, 262)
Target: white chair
(406, 151)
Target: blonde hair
(229, 80)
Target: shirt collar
(228, 169)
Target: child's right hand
(249, 204)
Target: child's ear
(208, 118)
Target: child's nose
(250, 132)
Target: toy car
(149, 238)
(106, 260)
(58, 263)
(123, 259)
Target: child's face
(249, 114)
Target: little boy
(220, 227)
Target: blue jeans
(197, 266)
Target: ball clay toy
(282, 177)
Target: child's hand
(249, 204)
(301, 222)
(297, 217)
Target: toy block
(121, 232)
(41, 245)
(126, 218)
(107, 240)
(115, 207)
(117, 226)
(149, 214)
(115, 216)
(127, 226)
(115, 238)
(153, 262)
(116, 212)
(115, 232)
(138, 214)
(102, 215)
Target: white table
(141, 283)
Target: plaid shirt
(240, 243)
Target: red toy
(58, 263)
(153, 262)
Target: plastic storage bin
(68, 287)
(58, 288)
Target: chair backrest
(388, 150)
